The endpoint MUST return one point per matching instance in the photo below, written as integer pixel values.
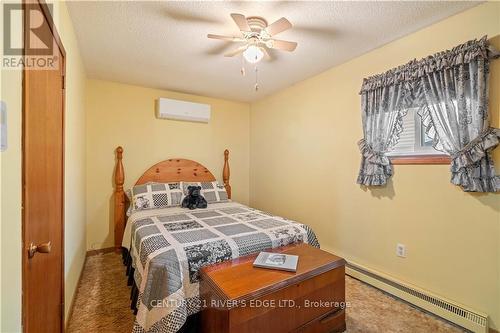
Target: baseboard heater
(451, 311)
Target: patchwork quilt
(169, 246)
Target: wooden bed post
(226, 173)
(119, 213)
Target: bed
(165, 248)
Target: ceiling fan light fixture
(253, 54)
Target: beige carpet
(102, 304)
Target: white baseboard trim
(456, 313)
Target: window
(414, 146)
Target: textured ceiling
(164, 44)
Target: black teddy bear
(194, 199)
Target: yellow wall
(11, 206)
(1, 47)
(74, 178)
(75, 156)
(304, 163)
(119, 114)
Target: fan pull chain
(256, 78)
(242, 70)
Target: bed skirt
(192, 322)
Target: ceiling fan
(257, 37)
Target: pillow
(128, 193)
(155, 195)
(211, 191)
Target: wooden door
(43, 183)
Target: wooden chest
(238, 297)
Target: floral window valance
(450, 90)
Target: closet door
(43, 178)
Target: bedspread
(169, 246)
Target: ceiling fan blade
(241, 22)
(239, 50)
(279, 26)
(269, 54)
(266, 54)
(229, 38)
(283, 45)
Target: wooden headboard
(167, 171)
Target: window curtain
(453, 99)
(451, 91)
(383, 109)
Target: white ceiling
(164, 44)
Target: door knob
(42, 248)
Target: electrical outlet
(401, 250)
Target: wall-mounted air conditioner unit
(181, 110)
